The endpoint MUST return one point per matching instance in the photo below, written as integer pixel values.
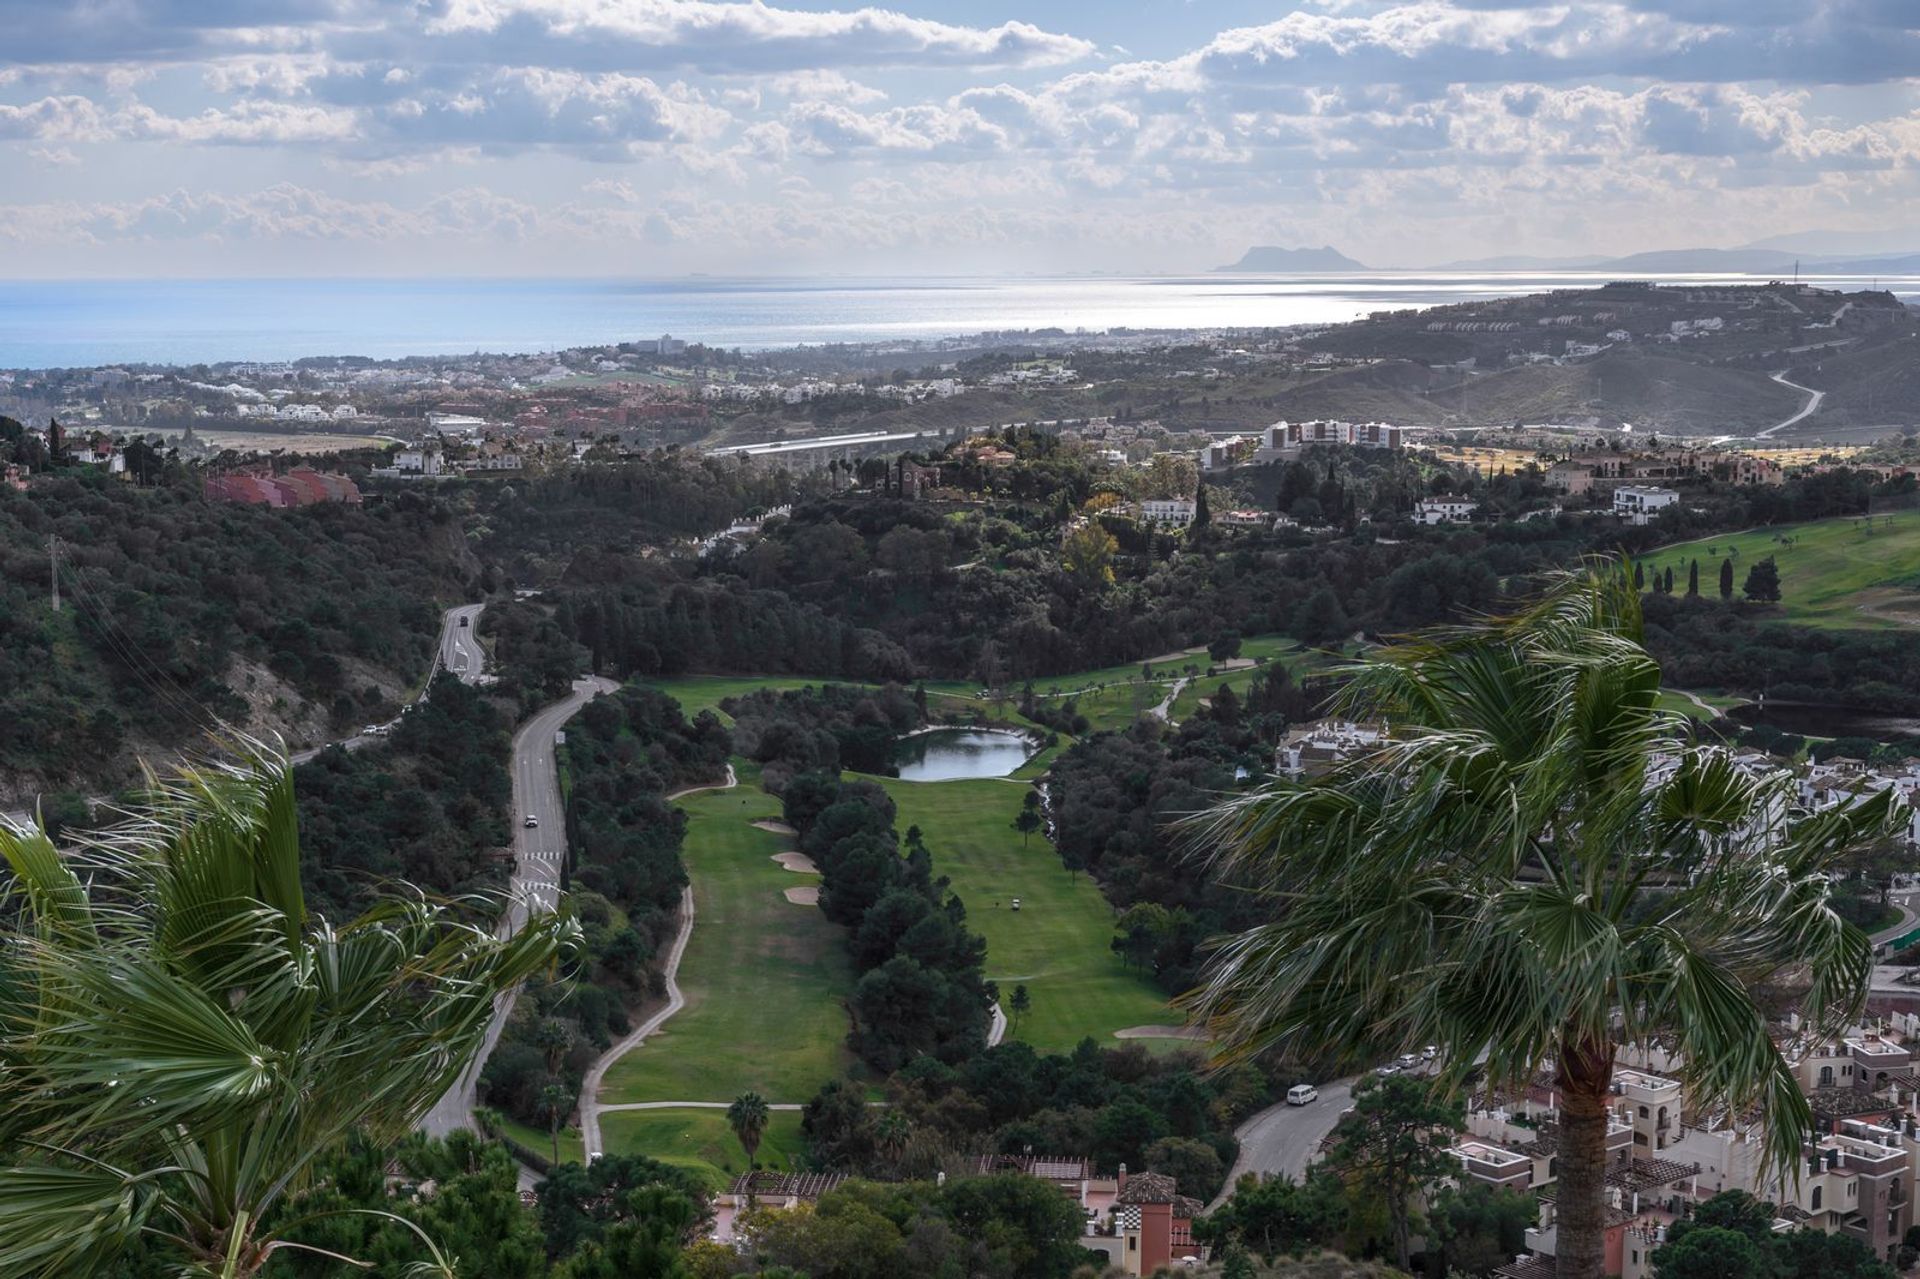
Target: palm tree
(748, 1117)
(180, 1040)
(892, 1134)
(1535, 869)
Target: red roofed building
(296, 488)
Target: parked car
(1302, 1094)
(1430, 1052)
(1407, 1061)
(1388, 1069)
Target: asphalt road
(535, 884)
(460, 651)
(1285, 1139)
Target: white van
(1301, 1094)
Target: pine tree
(1693, 580)
(1763, 582)
(1726, 579)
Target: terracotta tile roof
(1149, 1188)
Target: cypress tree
(1639, 579)
(1726, 578)
(1201, 516)
(1666, 585)
(1693, 580)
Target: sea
(83, 323)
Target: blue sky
(655, 137)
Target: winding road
(538, 853)
(1285, 1139)
(1807, 410)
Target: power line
(158, 682)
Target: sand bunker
(798, 863)
(808, 896)
(778, 828)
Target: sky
(664, 137)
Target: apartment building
(1638, 504)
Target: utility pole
(53, 566)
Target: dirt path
(590, 1106)
(1165, 709)
(1807, 410)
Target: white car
(1407, 1061)
(1429, 1052)
(1302, 1094)
(1388, 1069)
(531, 821)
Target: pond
(1820, 719)
(948, 754)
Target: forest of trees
(426, 805)
(1115, 795)
(824, 729)
(164, 597)
(1117, 1105)
(921, 989)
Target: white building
(420, 462)
(1443, 510)
(1290, 437)
(1169, 510)
(1637, 504)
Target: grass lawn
(1833, 573)
(701, 1140)
(764, 978)
(1205, 686)
(697, 693)
(538, 1139)
(1057, 944)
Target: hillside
(1870, 386)
(176, 613)
(1691, 359)
(1390, 391)
(1648, 391)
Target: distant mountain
(1752, 260)
(1905, 264)
(1268, 259)
(1761, 261)
(1854, 245)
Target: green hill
(1847, 573)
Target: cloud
(65, 118)
(818, 127)
(735, 38)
